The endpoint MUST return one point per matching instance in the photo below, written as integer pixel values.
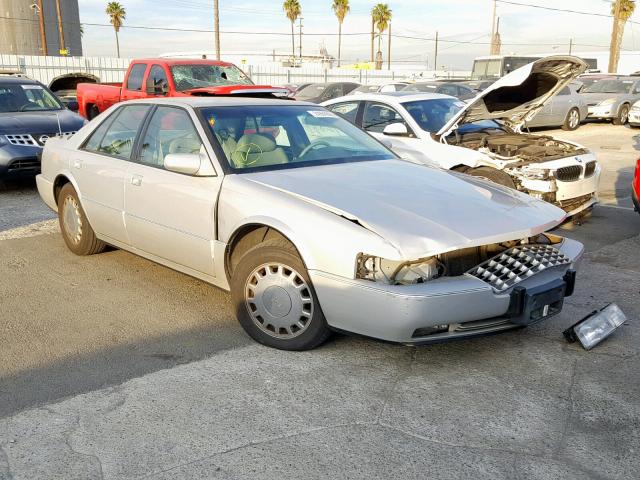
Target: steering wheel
(313, 146)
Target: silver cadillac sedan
(312, 224)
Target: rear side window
(159, 78)
(118, 138)
(565, 91)
(134, 81)
(348, 110)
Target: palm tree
(117, 14)
(340, 8)
(381, 15)
(292, 10)
(621, 11)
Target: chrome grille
(517, 264)
(21, 139)
(44, 137)
(569, 174)
(589, 169)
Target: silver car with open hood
(312, 224)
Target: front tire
(623, 115)
(493, 175)
(572, 122)
(274, 299)
(76, 231)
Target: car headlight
(536, 173)
(370, 267)
(608, 101)
(635, 108)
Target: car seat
(256, 150)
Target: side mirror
(73, 105)
(396, 129)
(187, 163)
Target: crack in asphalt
(567, 422)
(403, 373)
(4, 457)
(66, 435)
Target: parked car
(384, 88)
(635, 187)
(483, 138)
(65, 86)
(321, 92)
(634, 115)
(312, 224)
(611, 98)
(587, 79)
(566, 109)
(29, 115)
(162, 77)
(458, 89)
(479, 85)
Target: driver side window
(377, 116)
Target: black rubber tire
(89, 244)
(567, 121)
(277, 250)
(493, 175)
(623, 115)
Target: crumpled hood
(245, 90)
(519, 95)
(39, 122)
(420, 210)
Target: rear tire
(572, 122)
(623, 115)
(493, 175)
(76, 231)
(274, 299)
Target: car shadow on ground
(21, 205)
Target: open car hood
(241, 90)
(519, 95)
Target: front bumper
(605, 112)
(634, 117)
(19, 161)
(636, 201)
(443, 309)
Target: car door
(171, 215)
(134, 86)
(100, 167)
(561, 104)
(377, 115)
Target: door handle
(136, 180)
(77, 163)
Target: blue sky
(523, 30)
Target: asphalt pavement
(114, 367)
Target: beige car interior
(256, 150)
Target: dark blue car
(29, 115)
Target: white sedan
(312, 224)
(484, 137)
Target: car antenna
(59, 127)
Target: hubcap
(574, 119)
(624, 115)
(278, 300)
(72, 220)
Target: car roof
(391, 97)
(183, 61)
(213, 101)
(18, 79)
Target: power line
(564, 10)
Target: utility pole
(435, 55)
(570, 45)
(216, 26)
(493, 28)
(389, 49)
(43, 34)
(63, 50)
(614, 48)
(300, 36)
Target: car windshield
(421, 87)
(26, 97)
(310, 91)
(609, 86)
(365, 89)
(432, 115)
(187, 77)
(270, 137)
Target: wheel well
(247, 237)
(59, 182)
(460, 168)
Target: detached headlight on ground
(369, 267)
(596, 326)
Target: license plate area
(531, 305)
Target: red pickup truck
(164, 77)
